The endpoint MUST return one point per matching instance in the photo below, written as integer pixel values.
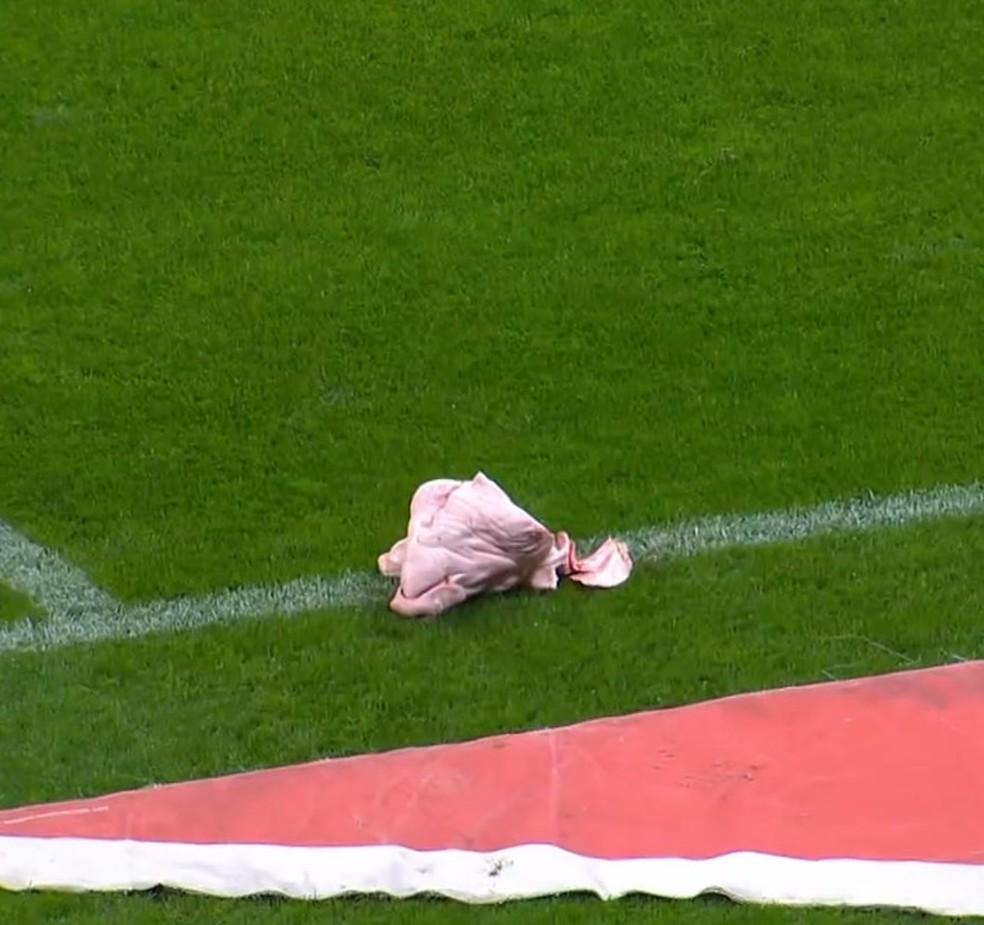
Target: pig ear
(483, 481)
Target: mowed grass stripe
(82, 613)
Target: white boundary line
(78, 612)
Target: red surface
(889, 767)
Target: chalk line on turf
(78, 612)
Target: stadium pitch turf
(266, 267)
(16, 606)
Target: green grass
(16, 606)
(265, 267)
(165, 909)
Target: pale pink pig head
(468, 537)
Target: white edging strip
(521, 872)
(79, 612)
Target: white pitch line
(79, 612)
(852, 516)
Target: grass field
(264, 267)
